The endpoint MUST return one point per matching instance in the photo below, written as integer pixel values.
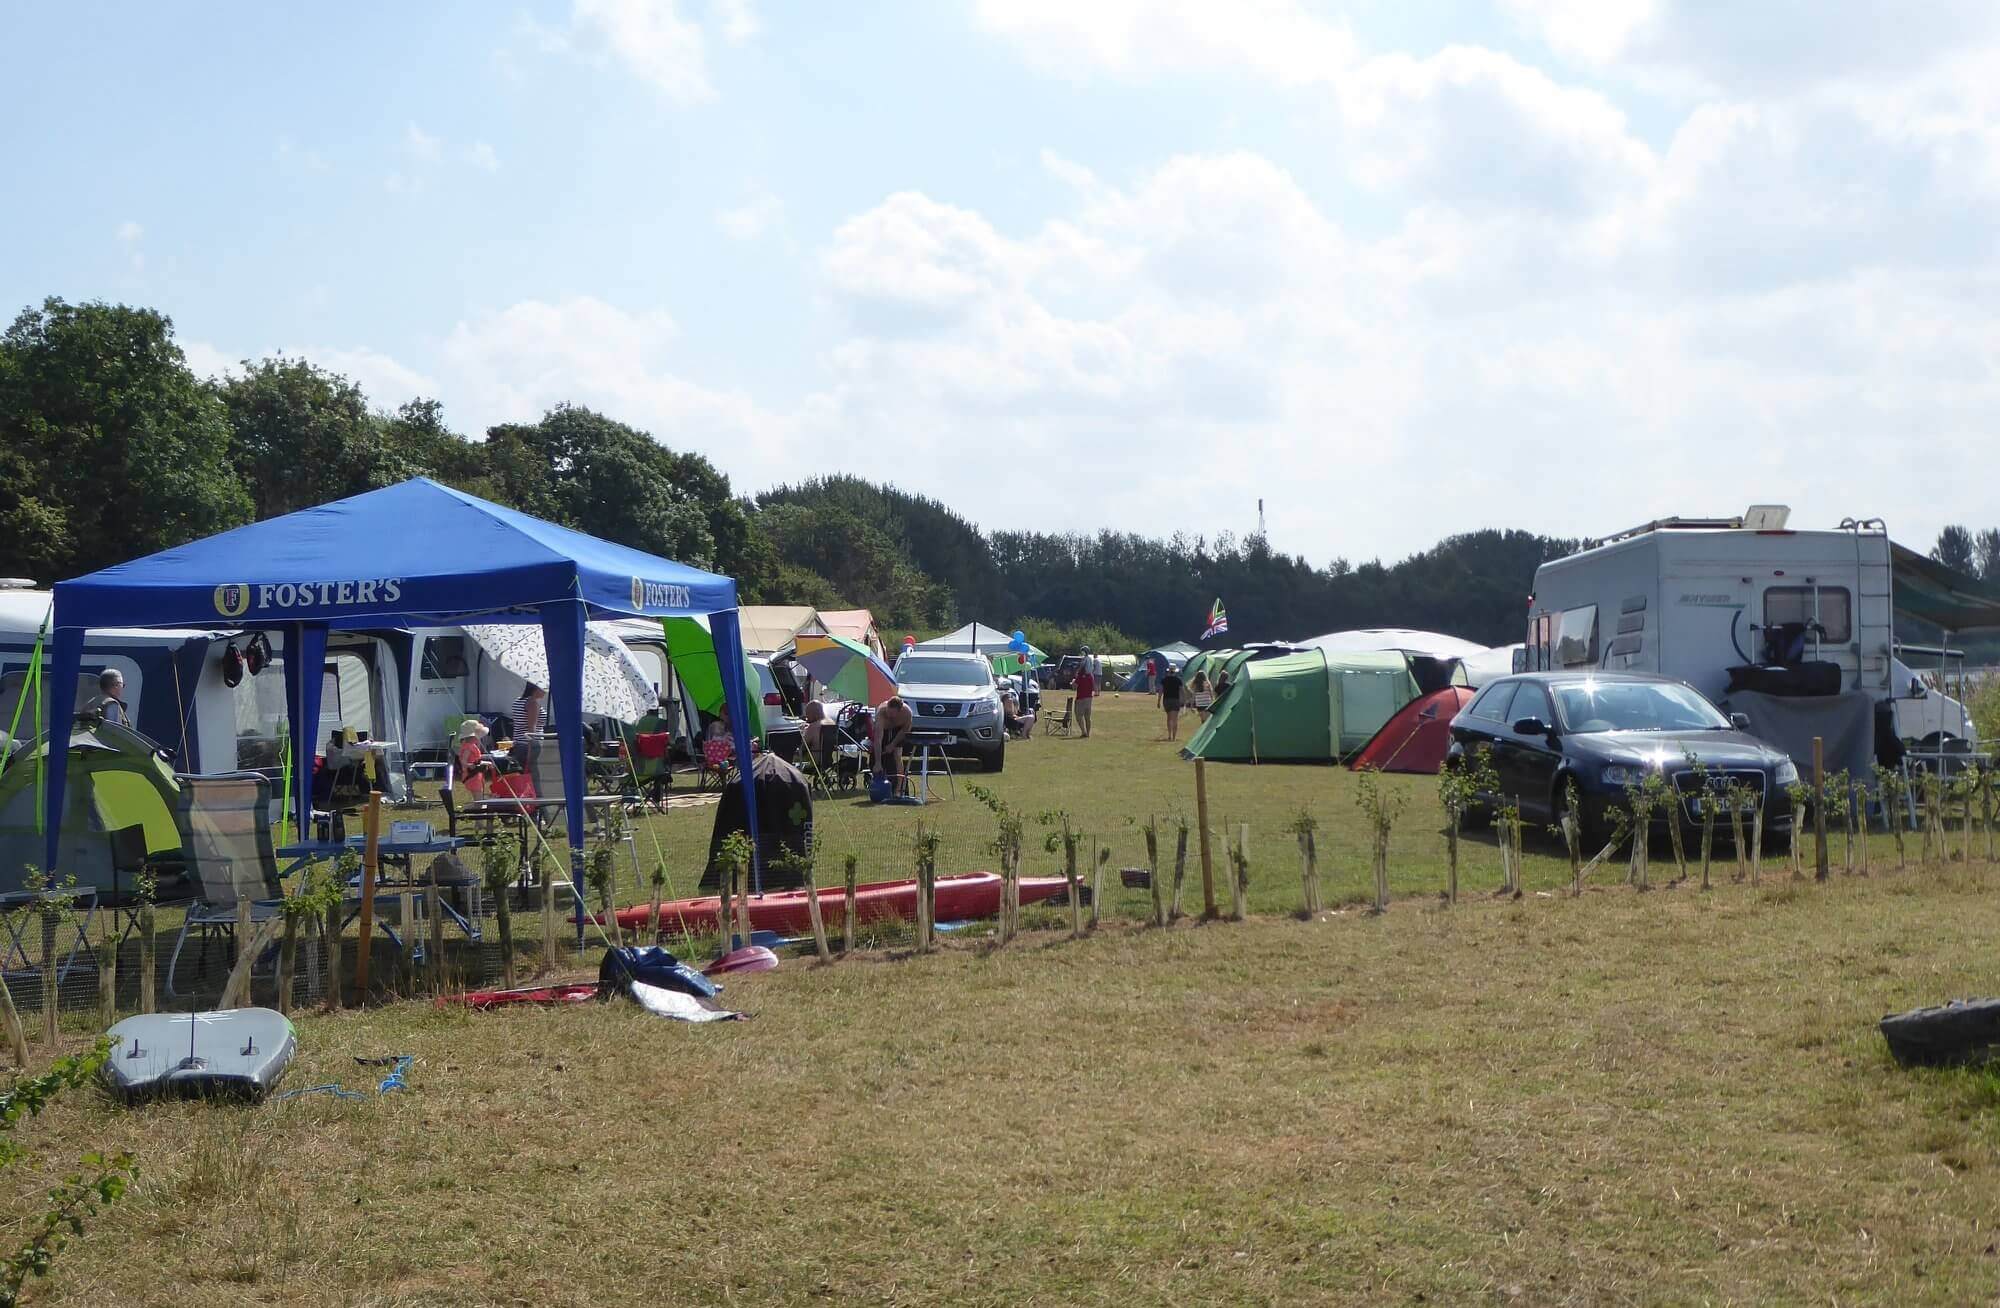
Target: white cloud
(753, 218)
(206, 360)
(1277, 39)
(482, 156)
(737, 20)
(129, 231)
(421, 145)
(652, 40)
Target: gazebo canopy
(414, 554)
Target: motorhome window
(346, 699)
(444, 658)
(1631, 622)
(1576, 638)
(1633, 604)
(1794, 604)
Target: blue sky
(1400, 270)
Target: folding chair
(718, 760)
(649, 745)
(1058, 724)
(225, 828)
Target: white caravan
(1694, 598)
(176, 693)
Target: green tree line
(111, 447)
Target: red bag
(653, 744)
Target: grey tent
(1173, 654)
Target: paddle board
(237, 1052)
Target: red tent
(1415, 740)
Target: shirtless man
(893, 724)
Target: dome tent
(117, 779)
(1307, 706)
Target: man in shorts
(1086, 692)
(893, 724)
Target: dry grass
(1668, 1097)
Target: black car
(1605, 731)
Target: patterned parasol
(614, 683)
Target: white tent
(1372, 639)
(972, 638)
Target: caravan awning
(1944, 597)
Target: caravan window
(1794, 604)
(444, 658)
(1576, 638)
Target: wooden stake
(371, 858)
(1756, 843)
(725, 920)
(49, 997)
(1208, 909)
(434, 950)
(10, 1018)
(653, 914)
(818, 918)
(1308, 875)
(847, 927)
(1239, 877)
(148, 952)
(1180, 873)
(1153, 872)
(743, 928)
(330, 940)
(1096, 882)
(1861, 806)
(1451, 854)
(288, 958)
(107, 983)
(1075, 889)
(1820, 868)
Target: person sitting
(1019, 725)
(475, 770)
(108, 705)
(818, 730)
(1202, 697)
(893, 724)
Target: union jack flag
(1218, 622)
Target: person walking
(1170, 700)
(1086, 693)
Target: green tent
(117, 780)
(1305, 707)
(691, 649)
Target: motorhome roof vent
(1767, 517)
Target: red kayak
(485, 999)
(966, 897)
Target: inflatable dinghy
(234, 1052)
(1962, 1031)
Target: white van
(1694, 598)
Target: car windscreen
(942, 672)
(1589, 706)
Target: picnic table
(405, 891)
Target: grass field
(1623, 1097)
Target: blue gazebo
(415, 554)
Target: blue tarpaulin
(415, 554)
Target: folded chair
(225, 829)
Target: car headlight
(1623, 774)
(1788, 774)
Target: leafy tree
(301, 435)
(110, 447)
(1954, 550)
(584, 470)
(1986, 549)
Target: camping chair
(718, 760)
(649, 746)
(225, 827)
(1058, 723)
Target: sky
(1398, 270)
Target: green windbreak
(691, 649)
(1941, 596)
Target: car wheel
(993, 761)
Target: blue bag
(656, 967)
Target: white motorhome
(177, 694)
(1696, 598)
(453, 676)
